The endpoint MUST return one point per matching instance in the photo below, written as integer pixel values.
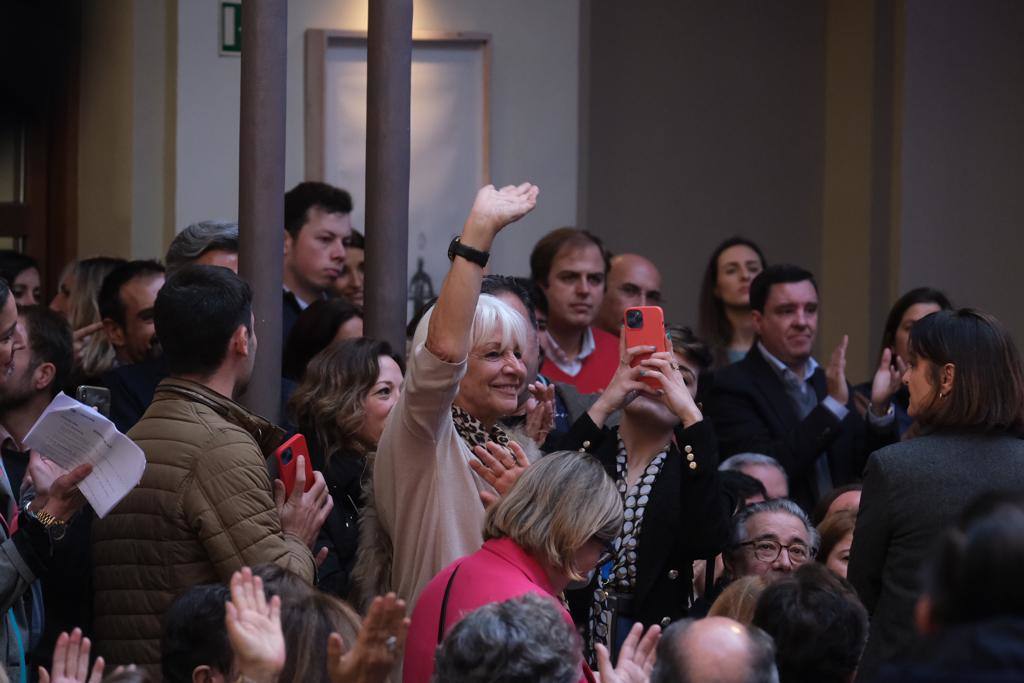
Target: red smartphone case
(652, 333)
(287, 455)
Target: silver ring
(391, 643)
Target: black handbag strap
(444, 606)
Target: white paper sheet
(70, 434)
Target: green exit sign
(231, 28)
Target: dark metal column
(389, 76)
(261, 189)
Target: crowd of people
(517, 495)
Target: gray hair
(522, 639)
(199, 238)
(738, 533)
(740, 460)
(672, 664)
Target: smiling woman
(465, 372)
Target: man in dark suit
(317, 224)
(780, 402)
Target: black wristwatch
(457, 248)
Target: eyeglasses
(768, 550)
(607, 550)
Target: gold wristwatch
(55, 527)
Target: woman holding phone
(340, 407)
(663, 458)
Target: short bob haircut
(687, 344)
(988, 386)
(713, 324)
(920, 295)
(560, 502)
(494, 317)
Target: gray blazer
(913, 491)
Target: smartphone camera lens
(634, 319)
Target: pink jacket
(498, 571)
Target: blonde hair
(558, 504)
(83, 310)
(494, 317)
(739, 599)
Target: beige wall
(533, 103)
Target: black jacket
(752, 413)
(340, 533)
(983, 652)
(131, 390)
(686, 519)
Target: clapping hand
(887, 381)
(500, 467)
(835, 373)
(254, 628)
(636, 658)
(540, 412)
(71, 661)
(378, 646)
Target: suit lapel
(767, 383)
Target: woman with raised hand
(465, 372)
(663, 458)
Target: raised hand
(887, 380)
(378, 646)
(664, 368)
(493, 209)
(71, 661)
(80, 338)
(636, 658)
(625, 383)
(254, 628)
(303, 512)
(835, 373)
(500, 467)
(540, 412)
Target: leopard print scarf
(473, 433)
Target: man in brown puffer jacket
(205, 506)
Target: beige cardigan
(427, 497)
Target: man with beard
(36, 546)
(126, 308)
(38, 373)
(204, 507)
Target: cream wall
(533, 103)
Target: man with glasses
(770, 539)
(632, 281)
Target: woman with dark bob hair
(346, 396)
(725, 319)
(908, 309)
(966, 395)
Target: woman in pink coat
(552, 528)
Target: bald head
(632, 281)
(714, 650)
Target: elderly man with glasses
(770, 539)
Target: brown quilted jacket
(203, 509)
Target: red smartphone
(645, 326)
(287, 455)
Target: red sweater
(598, 367)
